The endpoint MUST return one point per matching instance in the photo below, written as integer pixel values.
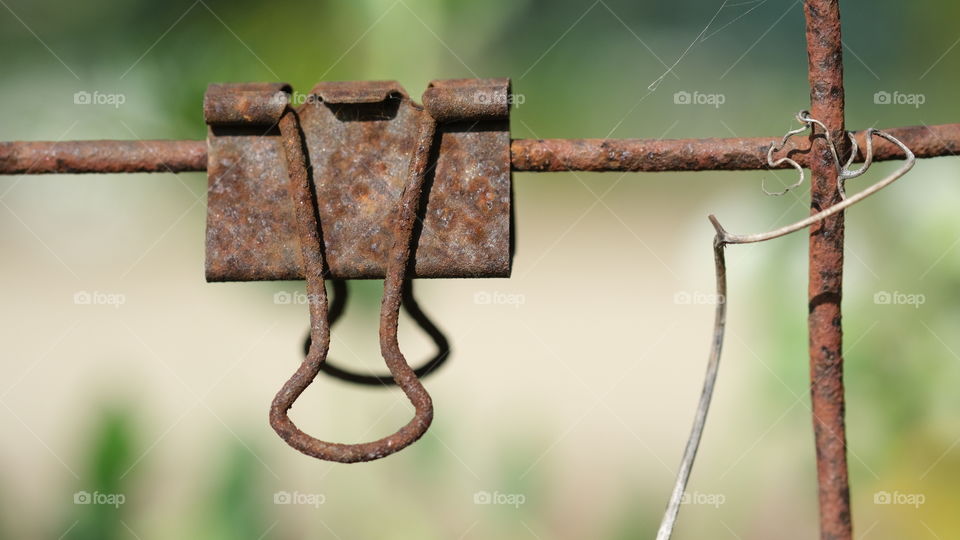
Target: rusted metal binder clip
(358, 182)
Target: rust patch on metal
(825, 53)
(248, 206)
(467, 99)
(726, 154)
(354, 92)
(357, 136)
(74, 157)
(245, 104)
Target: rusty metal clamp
(336, 159)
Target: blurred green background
(147, 417)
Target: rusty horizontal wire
(527, 155)
(47, 157)
(728, 154)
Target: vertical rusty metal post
(825, 53)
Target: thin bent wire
(722, 239)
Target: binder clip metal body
(358, 182)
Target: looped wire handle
(398, 260)
(385, 380)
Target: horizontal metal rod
(651, 155)
(535, 155)
(43, 157)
